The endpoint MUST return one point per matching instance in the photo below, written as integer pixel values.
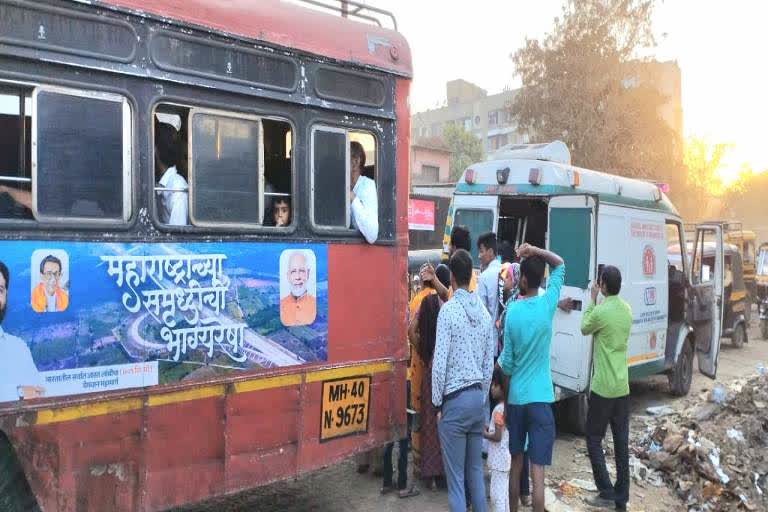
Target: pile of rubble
(714, 455)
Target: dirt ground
(340, 488)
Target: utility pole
(344, 8)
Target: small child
(499, 459)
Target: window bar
(165, 189)
(22, 136)
(14, 179)
(277, 194)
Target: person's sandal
(525, 500)
(386, 489)
(409, 493)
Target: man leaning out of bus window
(172, 204)
(363, 197)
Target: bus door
(706, 307)
(573, 235)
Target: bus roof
(560, 178)
(287, 25)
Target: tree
(701, 161)
(466, 149)
(745, 201)
(583, 84)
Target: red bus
(186, 307)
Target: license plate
(346, 403)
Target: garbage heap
(714, 454)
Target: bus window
(240, 169)
(81, 170)
(335, 152)
(15, 154)
(171, 159)
(278, 152)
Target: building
(489, 118)
(470, 107)
(430, 163)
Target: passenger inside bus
(363, 196)
(15, 203)
(220, 155)
(172, 186)
(278, 148)
(281, 211)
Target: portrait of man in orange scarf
(48, 296)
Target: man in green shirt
(609, 323)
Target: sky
(718, 45)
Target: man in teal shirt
(525, 359)
(609, 323)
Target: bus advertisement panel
(90, 317)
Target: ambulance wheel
(15, 493)
(739, 336)
(573, 414)
(682, 373)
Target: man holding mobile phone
(609, 323)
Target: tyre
(682, 373)
(571, 414)
(15, 494)
(739, 336)
(764, 329)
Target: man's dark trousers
(602, 412)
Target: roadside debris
(714, 455)
(660, 411)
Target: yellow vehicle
(746, 242)
(762, 289)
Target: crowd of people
(480, 377)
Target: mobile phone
(600, 273)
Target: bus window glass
(241, 168)
(81, 168)
(226, 164)
(15, 154)
(341, 158)
(278, 154)
(330, 177)
(477, 222)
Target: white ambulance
(532, 193)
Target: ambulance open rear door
(572, 233)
